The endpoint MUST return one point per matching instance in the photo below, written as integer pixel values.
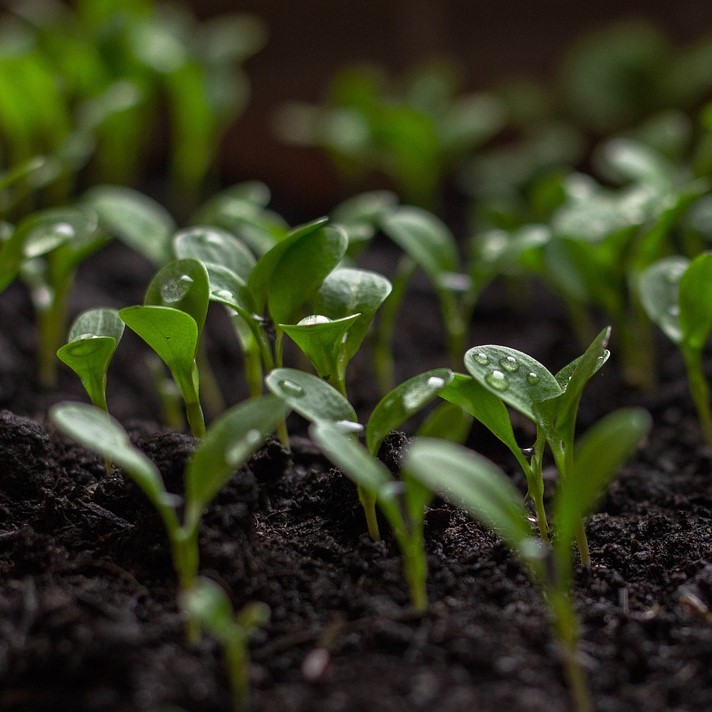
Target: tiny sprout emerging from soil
(402, 501)
(171, 321)
(506, 377)
(317, 401)
(207, 603)
(677, 295)
(227, 446)
(92, 340)
(469, 480)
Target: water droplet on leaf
(509, 363)
(481, 358)
(291, 388)
(348, 426)
(436, 382)
(532, 378)
(497, 380)
(223, 294)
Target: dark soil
(88, 619)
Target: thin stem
(209, 388)
(699, 390)
(368, 502)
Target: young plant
(677, 295)
(402, 501)
(506, 377)
(227, 446)
(317, 401)
(207, 603)
(470, 481)
(171, 321)
(92, 340)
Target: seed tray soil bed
(87, 595)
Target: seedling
(507, 377)
(470, 481)
(675, 293)
(317, 401)
(208, 603)
(171, 321)
(92, 340)
(401, 501)
(227, 446)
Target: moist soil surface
(88, 619)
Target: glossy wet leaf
(404, 401)
(228, 444)
(91, 343)
(658, 288)
(470, 481)
(448, 422)
(360, 215)
(47, 230)
(349, 291)
(322, 340)
(518, 379)
(230, 290)
(599, 456)
(214, 246)
(184, 285)
(311, 397)
(695, 302)
(425, 239)
(137, 220)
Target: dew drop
(223, 294)
(253, 436)
(532, 378)
(497, 380)
(348, 426)
(527, 451)
(509, 363)
(186, 278)
(213, 239)
(674, 310)
(436, 382)
(481, 358)
(292, 388)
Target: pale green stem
(415, 569)
(368, 502)
(699, 390)
(209, 388)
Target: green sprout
(171, 321)
(92, 340)
(675, 293)
(317, 401)
(226, 447)
(500, 377)
(402, 501)
(469, 480)
(208, 603)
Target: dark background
(489, 41)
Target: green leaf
(45, 231)
(696, 302)
(92, 340)
(208, 603)
(474, 483)
(311, 397)
(513, 376)
(230, 290)
(322, 340)
(228, 444)
(404, 401)
(214, 246)
(658, 288)
(425, 239)
(599, 456)
(349, 291)
(171, 333)
(447, 422)
(183, 285)
(360, 215)
(97, 431)
(472, 397)
(135, 219)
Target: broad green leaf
(171, 333)
(312, 397)
(474, 483)
(598, 457)
(695, 302)
(472, 397)
(404, 401)
(425, 239)
(518, 379)
(360, 215)
(230, 290)
(228, 444)
(630, 160)
(322, 340)
(214, 246)
(349, 291)
(136, 219)
(263, 272)
(658, 288)
(448, 422)
(301, 269)
(92, 340)
(47, 230)
(183, 285)
(208, 603)
(97, 431)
